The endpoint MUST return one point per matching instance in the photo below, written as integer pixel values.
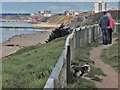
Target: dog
(80, 71)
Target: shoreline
(45, 25)
(17, 42)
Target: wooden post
(89, 31)
(115, 28)
(75, 39)
(68, 65)
(85, 36)
(93, 31)
(88, 35)
(56, 84)
(79, 38)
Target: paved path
(111, 80)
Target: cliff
(59, 19)
(95, 17)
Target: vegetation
(31, 66)
(110, 56)
(59, 19)
(82, 57)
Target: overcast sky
(58, 0)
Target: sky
(58, 0)
(54, 7)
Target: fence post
(56, 84)
(93, 32)
(81, 37)
(84, 37)
(98, 35)
(78, 38)
(89, 31)
(99, 31)
(75, 38)
(68, 64)
(115, 28)
(76, 35)
(88, 35)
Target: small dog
(81, 70)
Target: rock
(59, 32)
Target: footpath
(111, 78)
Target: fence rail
(81, 36)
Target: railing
(81, 36)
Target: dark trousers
(105, 35)
(110, 35)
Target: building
(45, 13)
(100, 6)
(113, 9)
(71, 13)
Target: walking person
(104, 23)
(110, 28)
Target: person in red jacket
(110, 28)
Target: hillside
(31, 66)
(85, 18)
(58, 19)
(95, 17)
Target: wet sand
(17, 42)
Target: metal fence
(81, 36)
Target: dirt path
(111, 80)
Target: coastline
(46, 25)
(18, 42)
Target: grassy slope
(110, 56)
(61, 19)
(31, 67)
(82, 57)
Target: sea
(34, 7)
(6, 34)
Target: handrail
(56, 71)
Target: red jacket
(111, 23)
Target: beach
(46, 25)
(17, 42)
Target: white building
(45, 13)
(71, 13)
(100, 6)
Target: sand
(46, 25)
(17, 42)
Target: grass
(31, 66)
(81, 57)
(110, 56)
(81, 83)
